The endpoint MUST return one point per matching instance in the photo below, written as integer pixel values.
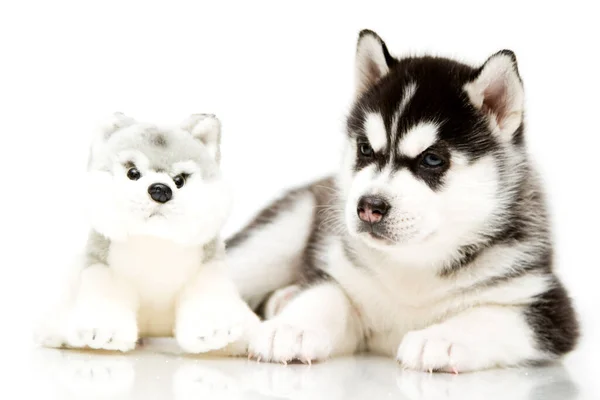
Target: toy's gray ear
(115, 122)
(106, 129)
(207, 129)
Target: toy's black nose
(160, 192)
(372, 209)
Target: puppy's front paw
(107, 327)
(432, 350)
(203, 328)
(276, 341)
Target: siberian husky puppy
(154, 263)
(431, 245)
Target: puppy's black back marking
(554, 321)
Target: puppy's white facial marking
(409, 92)
(418, 139)
(375, 129)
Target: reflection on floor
(159, 371)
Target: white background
(280, 77)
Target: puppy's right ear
(373, 61)
(115, 122)
(497, 91)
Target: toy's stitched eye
(133, 174)
(431, 160)
(365, 149)
(179, 181)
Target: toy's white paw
(433, 350)
(46, 334)
(276, 341)
(46, 338)
(102, 327)
(49, 330)
(205, 328)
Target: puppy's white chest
(389, 301)
(157, 270)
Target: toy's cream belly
(156, 321)
(157, 271)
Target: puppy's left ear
(373, 61)
(207, 129)
(497, 90)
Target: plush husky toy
(153, 264)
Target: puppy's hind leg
(278, 300)
(267, 254)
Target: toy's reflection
(159, 371)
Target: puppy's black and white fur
(431, 245)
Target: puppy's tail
(268, 253)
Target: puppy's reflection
(262, 380)
(548, 383)
(159, 370)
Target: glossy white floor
(159, 371)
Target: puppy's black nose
(372, 209)
(160, 192)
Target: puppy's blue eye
(365, 149)
(431, 160)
